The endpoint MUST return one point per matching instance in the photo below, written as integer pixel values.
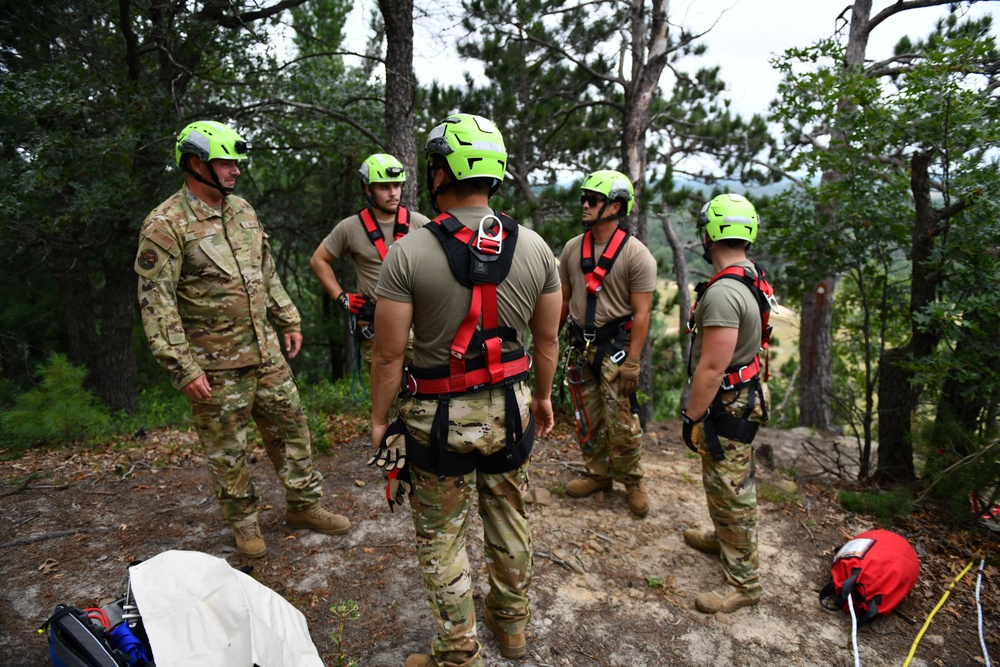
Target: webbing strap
(401, 227)
(595, 271)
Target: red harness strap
(374, 232)
(595, 276)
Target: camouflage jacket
(206, 286)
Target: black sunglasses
(593, 200)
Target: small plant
(58, 410)
(883, 505)
(345, 610)
(654, 581)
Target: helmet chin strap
(587, 224)
(214, 183)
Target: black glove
(344, 301)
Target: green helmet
(210, 140)
(381, 168)
(612, 184)
(472, 146)
(729, 216)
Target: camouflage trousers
(732, 499)
(614, 446)
(266, 393)
(441, 518)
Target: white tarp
(197, 610)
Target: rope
(854, 633)
(930, 617)
(979, 610)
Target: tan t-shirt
(416, 271)
(634, 271)
(350, 238)
(731, 304)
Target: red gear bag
(874, 571)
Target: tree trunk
(648, 61)
(684, 298)
(815, 354)
(898, 398)
(114, 365)
(399, 90)
(897, 401)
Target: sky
(745, 36)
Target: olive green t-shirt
(634, 271)
(729, 303)
(416, 271)
(350, 238)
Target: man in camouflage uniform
(382, 177)
(207, 284)
(727, 329)
(609, 319)
(459, 431)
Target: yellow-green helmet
(729, 216)
(614, 185)
(472, 146)
(210, 140)
(381, 168)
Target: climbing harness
(740, 376)
(479, 260)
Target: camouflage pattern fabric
(268, 394)
(615, 446)
(732, 498)
(207, 284)
(440, 518)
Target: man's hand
(544, 419)
(351, 302)
(293, 343)
(391, 454)
(627, 376)
(692, 430)
(198, 389)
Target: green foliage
(344, 611)
(324, 398)
(653, 581)
(58, 411)
(883, 505)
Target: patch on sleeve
(148, 259)
(162, 239)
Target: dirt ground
(609, 589)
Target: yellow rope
(913, 649)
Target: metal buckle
(497, 238)
(726, 385)
(590, 337)
(618, 356)
(368, 332)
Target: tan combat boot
(725, 599)
(420, 660)
(585, 486)
(511, 646)
(638, 500)
(249, 541)
(703, 540)
(318, 519)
